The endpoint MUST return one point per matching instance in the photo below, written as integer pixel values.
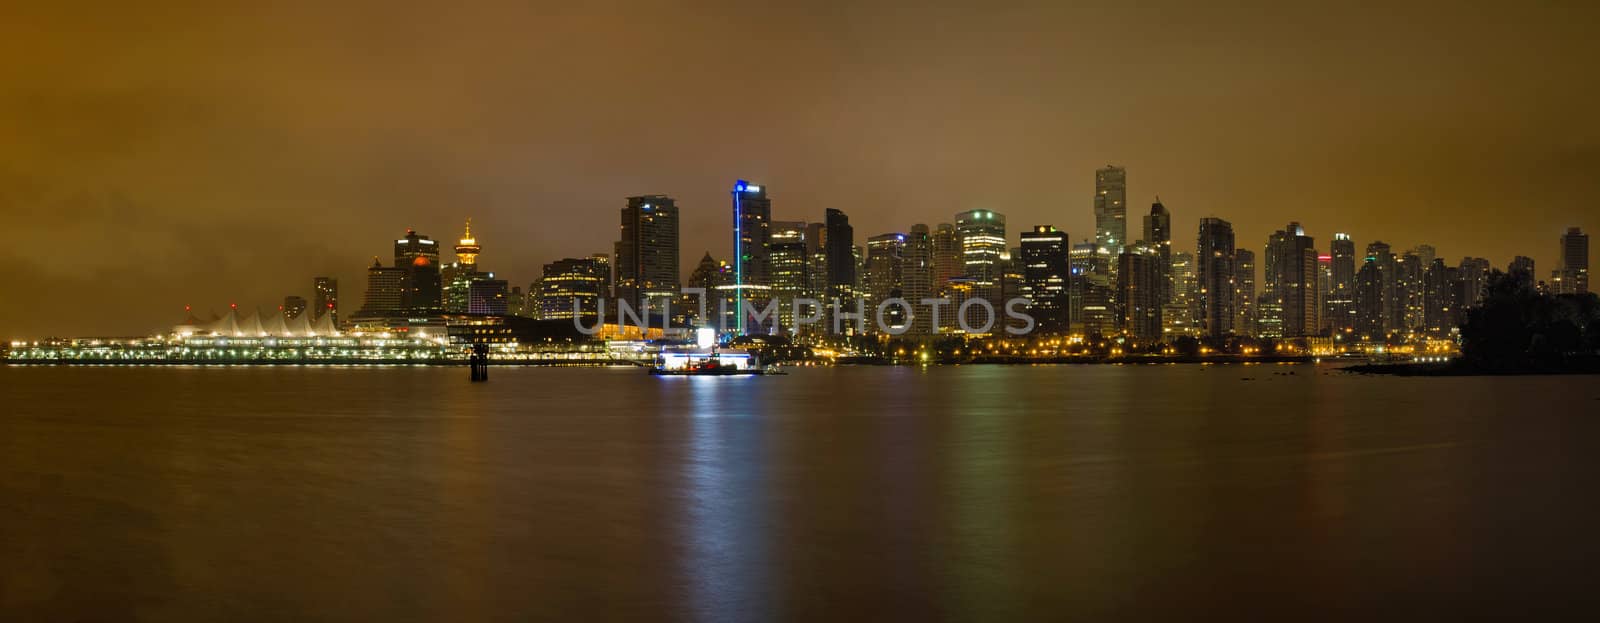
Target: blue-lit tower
(752, 222)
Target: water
(957, 493)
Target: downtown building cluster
(820, 280)
(1131, 286)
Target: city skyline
(227, 166)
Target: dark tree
(1517, 327)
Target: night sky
(153, 155)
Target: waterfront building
(1291, 278)
(1139, 285)
(1158, 234)
(788, 268)
(647, 252)
(418, 256)
(1244, 293)
(1215, 257)
(946, 256)
(1091, 296)
(487, 297)
(385, 294)
(916, 278)
(1111, 208)
(1341, 304)
(885, 268)
(1046, 271)
(568, 284)
(982, 238)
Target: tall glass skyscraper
(647, 253)
(916, 280)
(1341, 305)
(752, 231)
(1158, 234)
(1111, 208)
(1214, 254)
(982, 235)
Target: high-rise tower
(647, 252)
(1111, 208)
(1214, 254)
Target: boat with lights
(706, 358)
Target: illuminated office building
(1139, 286)
(982, 238)
(788, 267)
(571, 284)
(647, 253)
(946, 256)
(1244, 293)
(885, 268)
(1046, 271)
(1341, 301)
(418, 256)
(916, 278)
(1158, 234)
(385, 295)
(1215, 257)
(1111, 208)
(488, 297)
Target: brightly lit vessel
(705, 358)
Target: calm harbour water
(955, 493)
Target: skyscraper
(1045, 273)
(917, 276)
(1574, 272)
(1440, 312)
(1139, 285)
(1214, 254)
(946, 257)
(385, 295)
(1091, 294)
(1474, 275)
(787, 263)
(325, 298)
(1372, 296)
(885, 268)
(1291, 279)
(1410, 276)
(839, 248)
(1111, 208)
(571, 284)
(1391, 313)
(1178, 318)
(1244, 293)
(1341, 307)
(1158, 234)
(752, 221)
(418, 256)
(752, 240)
(647, 253)
(982, 235)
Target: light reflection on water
(956, 493)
